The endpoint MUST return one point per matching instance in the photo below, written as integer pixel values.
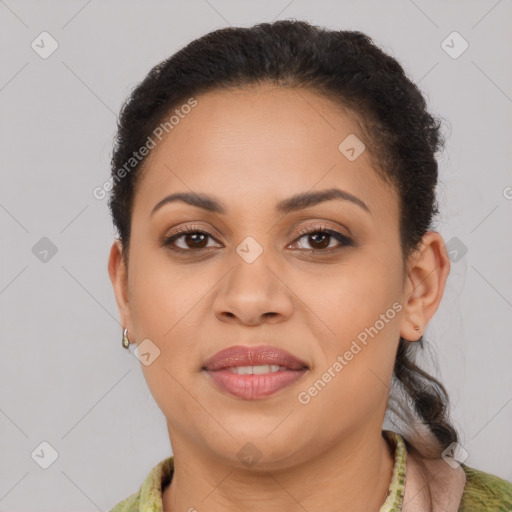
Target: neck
(353, 474)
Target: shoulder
(485, 492)
(149, 496)
(130, 504)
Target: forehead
(262, 143)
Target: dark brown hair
(402, 137)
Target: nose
(253, 293)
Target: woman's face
(254, 279)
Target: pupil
(320, 240)
(324, 243)
(194, 237)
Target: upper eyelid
(321, 225)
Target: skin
(250, 149)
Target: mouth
(253, 373)
(241, 356)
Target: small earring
(126, 341)
(417, 328)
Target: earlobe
(428, 271)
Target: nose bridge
(251, 272)
(252, 288)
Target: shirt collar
(151, 492)
(396, 490)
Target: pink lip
(240, 355)
(253, 387)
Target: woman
(274, 192)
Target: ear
(119, 277)
(427, 272)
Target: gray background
(65, 379)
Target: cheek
(360, 311)
(353, 295)
(162, 292)
(350, 383)
(163, 308)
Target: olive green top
(482, 492)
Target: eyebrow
(294, 203)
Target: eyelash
(347, 242)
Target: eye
(320, 239)
(193, 239)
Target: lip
(253, 387)
(240, 355)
